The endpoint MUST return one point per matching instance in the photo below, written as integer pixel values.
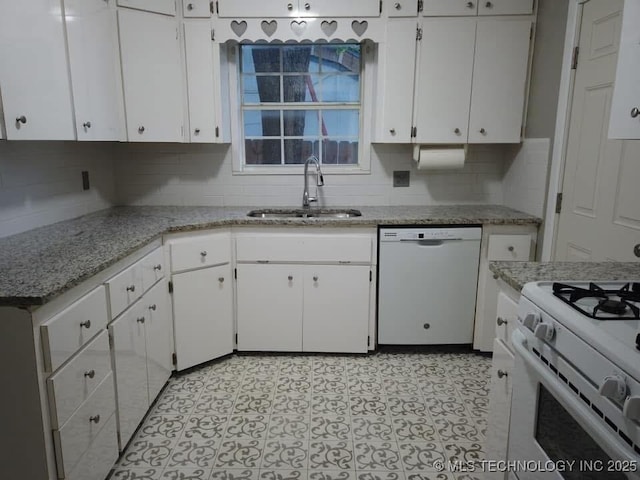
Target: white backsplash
(41, 182)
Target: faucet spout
(306, 199)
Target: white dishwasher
(427, 285)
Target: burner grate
(607, 308)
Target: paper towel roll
(432, 158)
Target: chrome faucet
(306, 199)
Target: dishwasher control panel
(417, 234)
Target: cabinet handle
(86, 324)
(470, 5)
(488, 5)
(190, 6)
(636, 250)
(221, 279)
(140, 319)
(90, 373)
(483, 131)
(157, 267)
(153, 307)
(290, 277)
(315, 278)
(392, 131)
(289, 6)
(141, 129)
(86, 124)
(511, 248)
(197, 131)
(397, 6)
(21, 119)
(502, 373)
(496, 276)
(131, 288)
(307, 6)
(635, 111)
(94, 419)
(203, 253)
(456, 131)
(501, 321)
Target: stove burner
(612, 306)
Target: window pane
(341, 123)
(262, 123)
(296, 151)
(299, 123)
(339, 152)
(341, 88)
(300, 88)
(299, 59)
(262, 152)
(260, 89)
(340, 58)
(260, 58)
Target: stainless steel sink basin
(304, 213)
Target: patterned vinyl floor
(385, 416)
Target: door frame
(561, 134)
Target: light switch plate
(401, 178)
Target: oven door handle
(580, 412)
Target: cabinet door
(443, 83)
(499, 80)
(130, 366)
(203, 315)
(397, 74)
(506, 318)
(625, 121)
(499, 404)
(437, 8)
(269, 307)
(34, 75)
(505, 7)
(401, 8)
(93, 59)
(155, 304)
(151, 75)
(200, 82)
(336, 309)
(257, 8)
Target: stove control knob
(615, 388)
(544, 331)
(631, 408)
(531, 321)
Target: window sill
(299, 169)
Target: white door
(93, 57)
(269, 300)
(130, 366)
(202, 312)
(600, 218)
(499, 80)
(158, 337)
(152, 76)
(336, 309)
(34, 75)
(200, 81)
(443, 80)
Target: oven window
(562, 438)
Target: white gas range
(576, 383)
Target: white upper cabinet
(93, 59)
(505, 7)
(152, 76)
(297, 8)
(437, 8)
(34, 78)
(166, 7)
(499, 80)
(625, 106)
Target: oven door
(552, 426)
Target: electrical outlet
(85, 180)
(401, 178)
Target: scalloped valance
(302, 29)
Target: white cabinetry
(434, 8)
(152, 76)
(625, 106)
(297, 8)
(202, 297)
(34, 76)
(94, 64)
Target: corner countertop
(38, 265)
(516, 274)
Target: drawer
(509, 247)
(308, 249)
(125, 288)
(200, 251)
(196, 8)
(167, 7)
(505, 7)
(153, 268)
(401, 8)
(65, 333)
(443, 8)
(71, 385)
(506, 318)
(76, 436)
(101, 455)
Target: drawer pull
(397, 6)
(153, 307)
(131, 288)
(635, 112)
(190, 6)
(21, 119)
(94, 419)
(502, 373)
(470, 5)
(90, 373)
(203, 253)
(290, 277)
(221, 279)
(86, 324)
(157, 267)
(315, 278)
(511, 248)
(501, 321)
(140, 319)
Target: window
(298, 100)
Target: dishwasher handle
(424, 242)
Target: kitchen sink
(304, 213)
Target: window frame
(365, 121)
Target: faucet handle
(320, 181)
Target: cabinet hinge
(213, 35)
(420, 5)
(236, 339)
(217, 7)
(418, 33)
(574, 60)
(369, 340)
(170, 287)
(414, 132)
(174, 359)
(217, 132)
(177, 34)
(211, 7)
(381, 7)
(110, 340)
(559, 202)
(370, 275)
(235, 273)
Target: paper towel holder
(440, 156)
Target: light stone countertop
(38, 265)
(516, 274)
